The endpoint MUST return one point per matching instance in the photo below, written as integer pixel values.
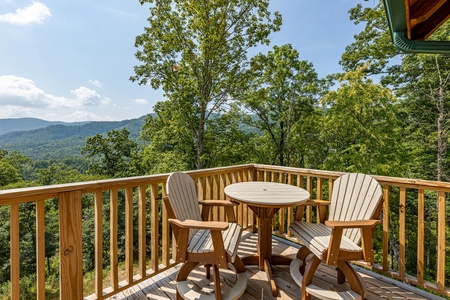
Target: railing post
(70, 243)
(441, 240)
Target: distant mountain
(24, 124)
(60, 140)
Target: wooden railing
(145, 218)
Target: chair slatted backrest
(355, 197)
(183, 198)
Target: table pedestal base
(265, 199)
(253, 260)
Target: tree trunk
(440, 123)
(201, 138)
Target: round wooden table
(265, 199)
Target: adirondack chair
(355, 205)
(200, 241)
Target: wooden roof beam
(426, 16)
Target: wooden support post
(70, 243)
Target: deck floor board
(162, 286)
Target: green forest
(386, 113)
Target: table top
(266, 194)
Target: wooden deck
(162, 286)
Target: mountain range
(42, 140)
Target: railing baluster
(386, 212)
(40, 249)
(154, 217)
(14, 252)
(221, 195)
(215, 196)
(290, 210)
(165, 233)
(129, 234)
(142, 231)
(420, 235)
(98, 215)
(402, 234)
(114, 228)
(309, 188)
(319, 195)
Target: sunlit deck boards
(162, 286)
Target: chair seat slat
(201, 242)
(316, 237)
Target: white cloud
(96, 83)
(141, 101)
(35, 13)
(85, 96)
(9, 111)
(22, 92)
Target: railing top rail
(50, 191)
(384, 180)
(91, 186)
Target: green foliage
(118, 155)
(373, 46)
(59, 141)
(198, 55)
(12, 166)
(283, 92)
(360, 128)
(195, 51)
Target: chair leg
(208, 271)
(340, 276)
(354, 280)
(183, 273)
(217, 290)
(185, 269)
(302, 254)
(308, 276)
(239, 265)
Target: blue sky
(71, 60)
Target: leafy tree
(373, 46)
(283, 92)
(196, 52)
(8, 173)
(421, 84)
(12, 166)
(170, 146)
(118, 155)
(58, 173)
(360, 127)
(424, 84)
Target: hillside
(60, 140)
(25, 124)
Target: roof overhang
(412, 21)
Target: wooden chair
(200, 241)
(355, 205)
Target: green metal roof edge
(396, 16)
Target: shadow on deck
(162, 286)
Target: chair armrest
(366, 227)
(226, 204)
(194, 224)
(218, 203)
(321, 208)
(353, 224)
(315, 203)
